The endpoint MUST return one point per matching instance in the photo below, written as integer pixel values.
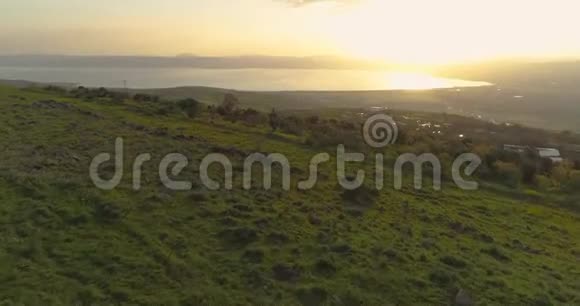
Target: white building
(550, 153)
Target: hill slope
(66, 242)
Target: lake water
(241, 79)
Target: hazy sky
(397, 30)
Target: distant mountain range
(191, 61)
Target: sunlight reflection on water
(242, 79)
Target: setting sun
(438, 32)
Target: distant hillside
(548, 109)
(190, 61)
(546, 92)
(23, 83)
(559, 75)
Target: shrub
(274, 120)
(190, 107)
(529, 170)
(145, 98)
(561, 173)
(118, 97)
(79, 92)
(292, 125)
(101, 94)
(228, 105)
(543, 182)
(55, 89)
(573, 182)
(252, 117)
(508, 173)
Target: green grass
(64, 242)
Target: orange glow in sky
(409, 31)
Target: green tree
(229, 104)
(190, 107)
(274, 120)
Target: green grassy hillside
(65, 242)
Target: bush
(55, 89)
(529, 170)
(252, 117)
(508, 173)
(573, 182)
(80, 92)
(274, 120)
(190, 107)
(561, 173)
(229, 104)
(145, 98)
(292, 125)
(118, 97)
(543, 182)
(100, 93)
